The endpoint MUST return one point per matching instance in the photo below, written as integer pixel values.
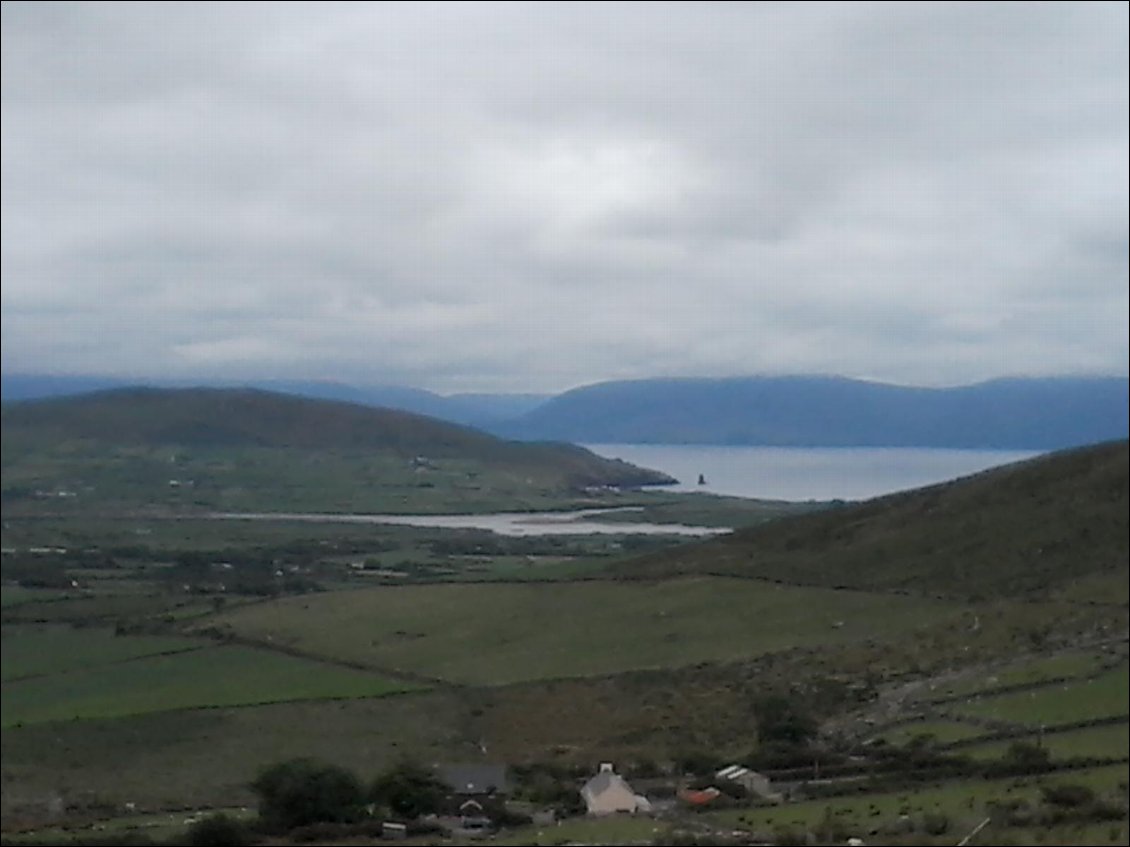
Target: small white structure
(608, 793)
(750, 780)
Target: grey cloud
(533, 196)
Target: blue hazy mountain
(806, 411)
(817, 411)
(469, 409)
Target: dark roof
(474, 779)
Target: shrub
(935, 823)
(303, 791)
(1068, 796)
(408, 790)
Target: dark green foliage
(408, 791)
(784, 720)
(219, 831)
(1023, 756)
(304, 791)
(698, 761)
(935, 823)
(1068, 796)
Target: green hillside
(1052, 525)
(840, 652)
(247, 449)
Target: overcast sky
(530, 197)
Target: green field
(506, 633)
(206, 678)
(618, 829)
(1096, 742)
(207, 757)
(267, 640)
(1107, 695)
(16, 595)
(41, 650)
(965, 803)
(940, 732)
(1028, 671)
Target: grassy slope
(491, 634)
(42, 650)
(208, 756)
(1023, 529)
(532, 632)
(128, 444)
(113, 686)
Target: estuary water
(767, 473)
(823, 473)
(582, 522)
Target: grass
(207, 678)
(617, 829)
(942, 732)
(1093, 742)
(494, 634)
(98, 607)
(200, 758)
(965, 802)
(238, 450)
(15, 595)
(1030, 529)
(1029, 671)
(169, 826)
(39, 650)
(1107, 695)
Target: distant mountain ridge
(472, 409)
(1047, 413)
(817, 411)
(250, 418)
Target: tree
(781, 719)
(408, 790)
(298, 792)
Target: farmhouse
(607, 793)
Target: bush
(1068, 796)
(303, 791)
(784, 720)
(935, 823)
(408, 791)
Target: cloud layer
(536, 196)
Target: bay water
(799, 474)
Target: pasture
(939, 731)
(877, 818)
(43, 650)
(1027, 671)
(200, 758)
(1093, 742)
(504, 633)
(1106, 695)
(189, 679)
